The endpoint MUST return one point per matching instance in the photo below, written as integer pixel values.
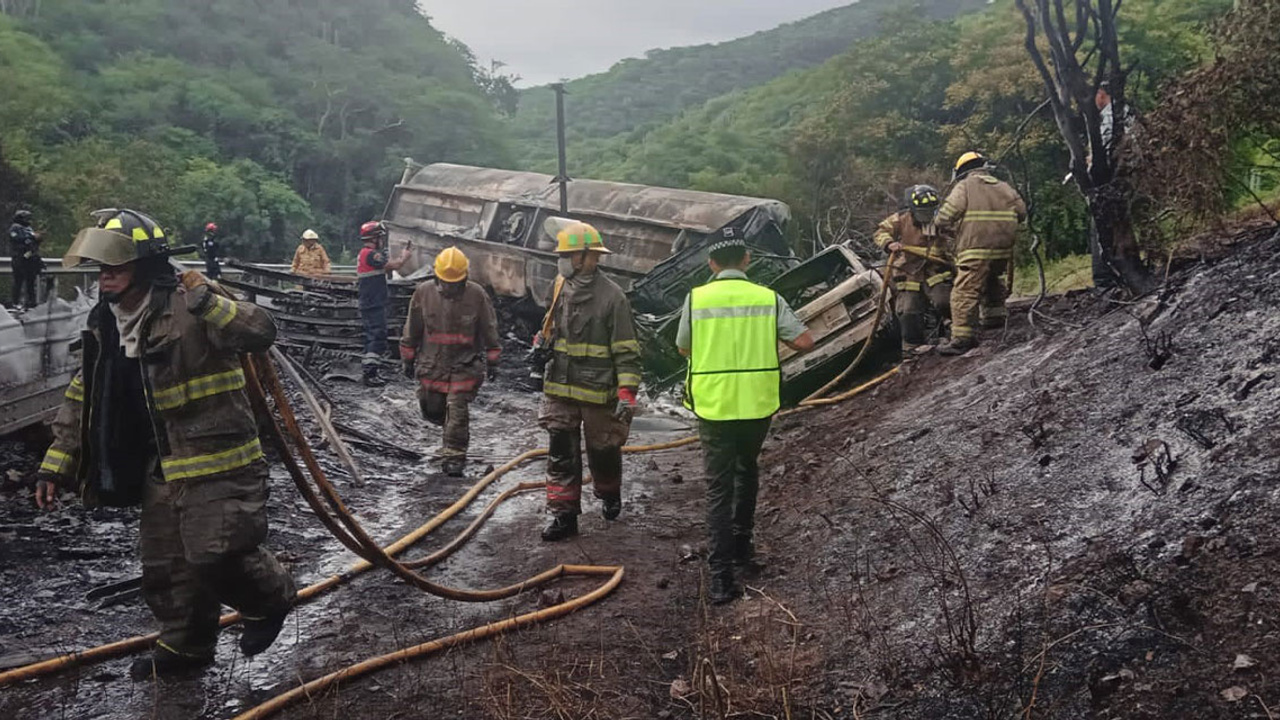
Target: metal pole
(563, 177)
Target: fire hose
(340, 522)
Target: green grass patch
(1072, 272)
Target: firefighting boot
(723, 588)
(453, 466)
(958, 346)
(561, 527)
(611, 508)
(164, 662)
(259, 633)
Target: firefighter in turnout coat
(449, 339)
(590, 381)
(985, 213)
(158, 416)
(921, 272)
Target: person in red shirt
(372, 268)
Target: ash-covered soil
(1067, 525)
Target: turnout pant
(452, 411)
(912, 302)
(978, 296)
(201, 549)
(374, 323)
(730, 457)
(567, 422)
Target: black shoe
(453, 467)
(561, 527)
(372, 378)
(259, 634)
(723, 589)
(958, 347)
(164, 662)
(611, 508)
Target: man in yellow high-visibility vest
(729, 330)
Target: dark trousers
(212, 269)
(25, 276)
(730, 458)
(374, 322)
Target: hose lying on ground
(144, 642)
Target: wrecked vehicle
(36, 359)
(834, 293)
(658, 235)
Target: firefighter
(24, 253)
(729, 329)
(310, 257)
(985, 213)
(590, 382)
(372, 268)
(209, 244)
(450, 338)
(158, 416)
(922, 271)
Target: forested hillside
(638, 93)
(265, 116)
(840, 140)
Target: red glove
(627, 396)
(493, 354)
(626, 404)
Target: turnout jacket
(924, 260)
(986, 212)
(450, 339)
(193, 385)
(594, 349)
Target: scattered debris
(1243, 662)
(1235, 693)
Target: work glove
(407, 366)
(626, 409)
(491, 357)
(192, 279)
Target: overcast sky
(546, 40)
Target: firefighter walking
(310, 258)
(372, 267)
(590, 381)
(24, 254)
(729, 330)
(449, 344)
(158, 416)
(921, 273)
(985, 213)
(212, 251)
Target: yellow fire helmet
(967, 159)
(452, 265)
(574, 235)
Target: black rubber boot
(372, 378)
(723, 588)
(958, 347)
(744, 551)
(611, 508)
(453, 467)
(164, 662)
(561, 527)
(260, 634)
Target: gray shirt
(789, 326)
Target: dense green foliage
(839, 141)
(637, 94)
(265, 116)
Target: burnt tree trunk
(1076, 49)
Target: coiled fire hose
(347, 530)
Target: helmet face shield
(574, 235)
(100, 247)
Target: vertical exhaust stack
(562, 178)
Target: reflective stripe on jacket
(734, 372)
(594, 351)
(986, 212)
(194, 387)
(448, 338)
(924, 260)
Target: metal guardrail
(87, 274)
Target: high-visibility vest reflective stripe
(734, 371)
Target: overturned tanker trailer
(658, 235)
